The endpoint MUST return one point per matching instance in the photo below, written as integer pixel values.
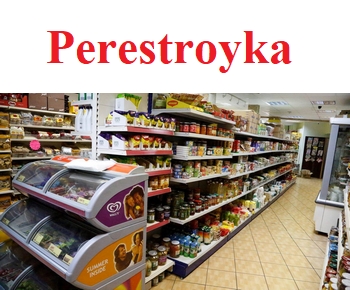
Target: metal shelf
(169, 263)
(136, 129)
(42, 127)
(31, 158)
(202, 136)
(134, 152)
(28, 139)
(156, 172)
(195, 179)
(4, 129)
(6, 170)
(262, 152)
(38, 111)
(5, 151)
(205, 157)
(194, 114)
(6, 192)
(156, 225)
(83, 102)
(159, 192)
(263, 136)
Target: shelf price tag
(21, 178)
(38, 238)
(5, 221)
(83, 200)
(54, 250)
(67, 259)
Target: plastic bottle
(83, 121)
(89, 119)
(193, 249)
(78, 118)
(186, 248)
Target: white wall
(314, 129)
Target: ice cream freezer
(109, 199)
(81, 254)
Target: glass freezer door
(336, 176)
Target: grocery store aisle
(278, 250)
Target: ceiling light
(326, 111)
(295, 117)
(323, 102)
(277, 103)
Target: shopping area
(174, 191)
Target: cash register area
(278, 250)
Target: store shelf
(157, 172)
(134, 152)
(5, 151)
(4, 129)
(262, 152)
(159, 192)
(256, 170)
(340, 246)
(28, 139)
(6, 192)
(6, 170)
(325, 264)
(156, 225)
(191, 113)
(346, 213)
(136, 129)
(169, 263)
(263, 136)
(31, 158)
(195, 179)
(42, 127)
(202, 136)
(75, 133)
(83, 102)
(205, 157)
(37, 111)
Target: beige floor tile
(283, 233)
(284, 240)
(224, 253)
(222, 279)
(290, 250)
(317, 263)
(304, 274)
(249, 245)
(267, 247)
(246, 255)
(170, 277)
(322, 245)
(279, 284)
(223, 264)
(299, 235)
(273, 258)
(250, 282)
(166, 285)
(318, 237)
(263, 239)
(218, 288)
(305, 243)
(198, 276)
(298, 261)
(248, 267)
(180, 285)
(312, 252)
(307, 285)
(205, 264)
(319, 272)
(270, 270)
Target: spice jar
(159, 214)
(166, 212)
(153, 257)
(162, 255)
(150, 215)
(175, 249)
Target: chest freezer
(108, 200)
(82, 255)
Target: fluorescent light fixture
(326, 111)
(277, 103)
(295, 117)
(323, 103)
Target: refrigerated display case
(330, 200)
(108, 200)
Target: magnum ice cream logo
(114, 207)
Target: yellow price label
(54, 250)
(67, 259)
(5, 221)
(21, 178)
(38, 238)
(83, 200)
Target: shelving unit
(168, 265)
(159, 192)
(156, 225)
(204, 157)
(134, 152)
(136, 129)
(202, 136)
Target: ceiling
(298, 108)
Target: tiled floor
(278, 250)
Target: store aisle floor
(278, 250)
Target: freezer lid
(38, 173)
(24, 215)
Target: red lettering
(164, 50)
(285, 52)
(123, 51)
(103, 50)
(55, 46)
(229, 55)
(147, 52)
(180, 47)
(249, 49)
(81, 51)
(212, 52)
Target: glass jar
(166, 212)
(198, 204)
(175, 249)
(209, 130)
(186, 127)
(174, 212)
(156, 238)
(159, 214)
(161, 277)
(193, 127)
(192, 208)
(153, 182)
(198, 128)
(153, 257)
(182, 213)
(162, 255)
(155, 281)
(203, 129)
(166, 243)
(148, 267)
(187, 210)
(160, 102)
(150, 215)
(197, 194)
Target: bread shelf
(136, 129)
(37, 111)
(43, 127)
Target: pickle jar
(148, 267)
(159, 214)
(150, 215)
(153, 257)
(166, 243)
(162, 255)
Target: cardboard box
(55, 102)
(5, 201)
(14, 100)
(176, 104)
(37, 101)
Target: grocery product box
(5, 201)
(55, 102)
(250, 115)
(14, 100)
(127, 102)
(176, 104)
(37, 101)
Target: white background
(317, 32)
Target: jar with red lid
(174, 249)
(181, 127)
(198, 204)
(197, 194)
(193, 127)
(186, 127)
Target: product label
(83, 200)
(54, 250)
(162, 260)
(5, 221)
(38, 238)
(21, 178)
(154, 264)
(67, 259)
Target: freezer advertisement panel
(113, 259)
(134, 283)
(126, 205)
